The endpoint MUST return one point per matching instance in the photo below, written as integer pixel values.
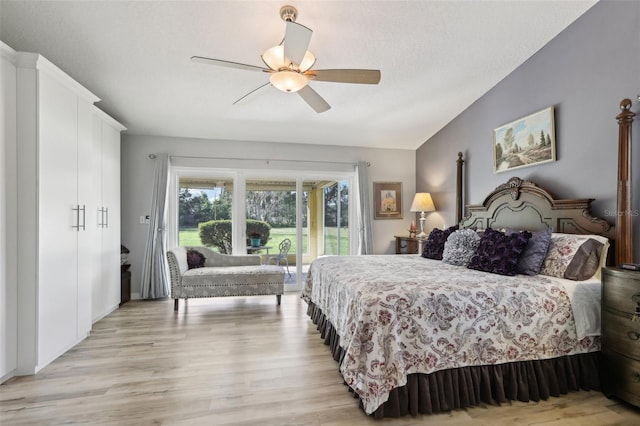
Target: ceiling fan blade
(251, 92)
(346, 76)
(296, 42)
(314, 100)
(229, 64)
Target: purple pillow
(195, 259)
(434, 246)
(499, 253)
(534, 252)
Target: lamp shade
(422, 202)
(288, 81)
(275, 59)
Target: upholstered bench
(222, 275)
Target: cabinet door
(98, 309)
(87, 198)
(57, 239)
(106, 254)
(8, 217)
(111, 201)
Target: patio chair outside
(284, 247)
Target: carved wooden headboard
(521, 204)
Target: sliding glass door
(336, 218)
(295, 217)
(270, 206)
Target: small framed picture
(525, 142)
(387, 200)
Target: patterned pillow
(574, 257)
(434, 246)
(460, 247)
(499, 253)
(534, 252)
(195, 259)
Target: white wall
(8, 215)
(387, 165)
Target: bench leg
(175, 305)
(279, 297)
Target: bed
(414, 335)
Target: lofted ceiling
(436, 58)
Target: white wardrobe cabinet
(56, 158)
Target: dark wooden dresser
(407, 245)
(621, 335)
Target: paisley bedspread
(398, 315)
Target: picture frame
(387, 200)
(527, 141)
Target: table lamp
(422, 202)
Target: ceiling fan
(289, 65)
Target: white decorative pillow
(460, 247)
(575, 257)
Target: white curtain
(155, 283)
(365, 233)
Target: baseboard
(7, 376)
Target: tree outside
(195, 208)
(276, 208)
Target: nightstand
(620, 335)
(407, 245)
(125, 286)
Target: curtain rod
(153, 156)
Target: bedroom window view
(204, 213)
(336, 219)
(271, 224)
(205, 207)
(271, 218)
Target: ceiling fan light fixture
(307, 61)
(290, 65)
(274, 57)
(288, 81)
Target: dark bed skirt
(468, 386)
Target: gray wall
(583, 73)
(137, 170)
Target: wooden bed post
(459, 163)
(624, 223)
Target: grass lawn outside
(190, 237)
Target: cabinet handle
(635, 377)
(84, 218)
(635, 298)
(104, 217)
(76, 209)
(633, 335)
(636, 315)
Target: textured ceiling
(436, 59)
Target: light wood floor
(241, 361)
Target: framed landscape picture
(524, 142)
(387, 200)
